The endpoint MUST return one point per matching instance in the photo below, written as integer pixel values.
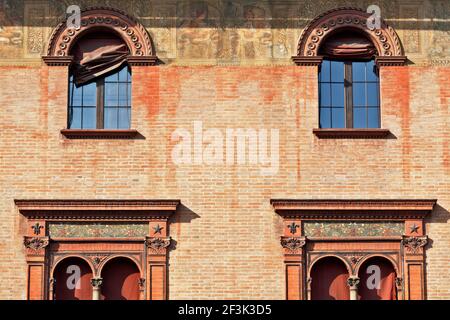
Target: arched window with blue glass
(100, 83)
(349, 88)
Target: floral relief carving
(413, 244)
(293, 244)
(36, 243)
(158, 245)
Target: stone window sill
(352, 133)
(99, 134)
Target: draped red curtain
(387, 289)
(329, 280)
(120, 280)
(348, 45)
(97, 54)
(66, 286)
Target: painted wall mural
(352, 229)
(227, 31)
(97, 230)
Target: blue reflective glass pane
(75, 118)
(90, 94)
(359, 117)
(76, 96)
(325, 117)
(325, 71)
(123, 74)
(337, 71)
(337, 94)
(129, 95)
(325, 95)
(89, 118)
(372, 94)
(113, 77)
(124, 118)
(111, 95)
(359, 71)
(338, 117)
(110, 118)
(123, 94)
(373, 117)
(359, 94)
(371, 71)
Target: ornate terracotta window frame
(133, 33)
(148, 250)
(385, 40)
(405, 250)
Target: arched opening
(120, 280)
(329, 280)
(73, 280)
(377, 280)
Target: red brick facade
(225, 231)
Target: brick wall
(226, 233)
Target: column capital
(353, 282)
(293, 244)
(96, 282)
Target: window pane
(110, 118)
(325, 117)
(129, 95)
(337, 94)
(124, 118)
(123, 94)
(113, 77)
(359, 94)
(373, 117)
(111, 95)
(359, 71)
(325, 95)
(338, 117)
(76, 96)
(371, 71)
(337, 71)
(89, 118)
(123, 74)
(90, 94)
(75, 118)
(359, 117)
(325, 71)
(372, 94)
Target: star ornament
(157, 229)
(414, 228)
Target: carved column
(51, 289)
(141, 289)
(96, 288)
(353, 283)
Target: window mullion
(348, 95)
(100, 102)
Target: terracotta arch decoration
(130, 30)
(385, 39)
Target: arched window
(348, 83)
(100, 83)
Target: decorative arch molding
(129, 257)
(69, 256)
(329, 255)
(385, 39)
(378, 255)
(132, 32)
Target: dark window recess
(102, 104)
(349, 94)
